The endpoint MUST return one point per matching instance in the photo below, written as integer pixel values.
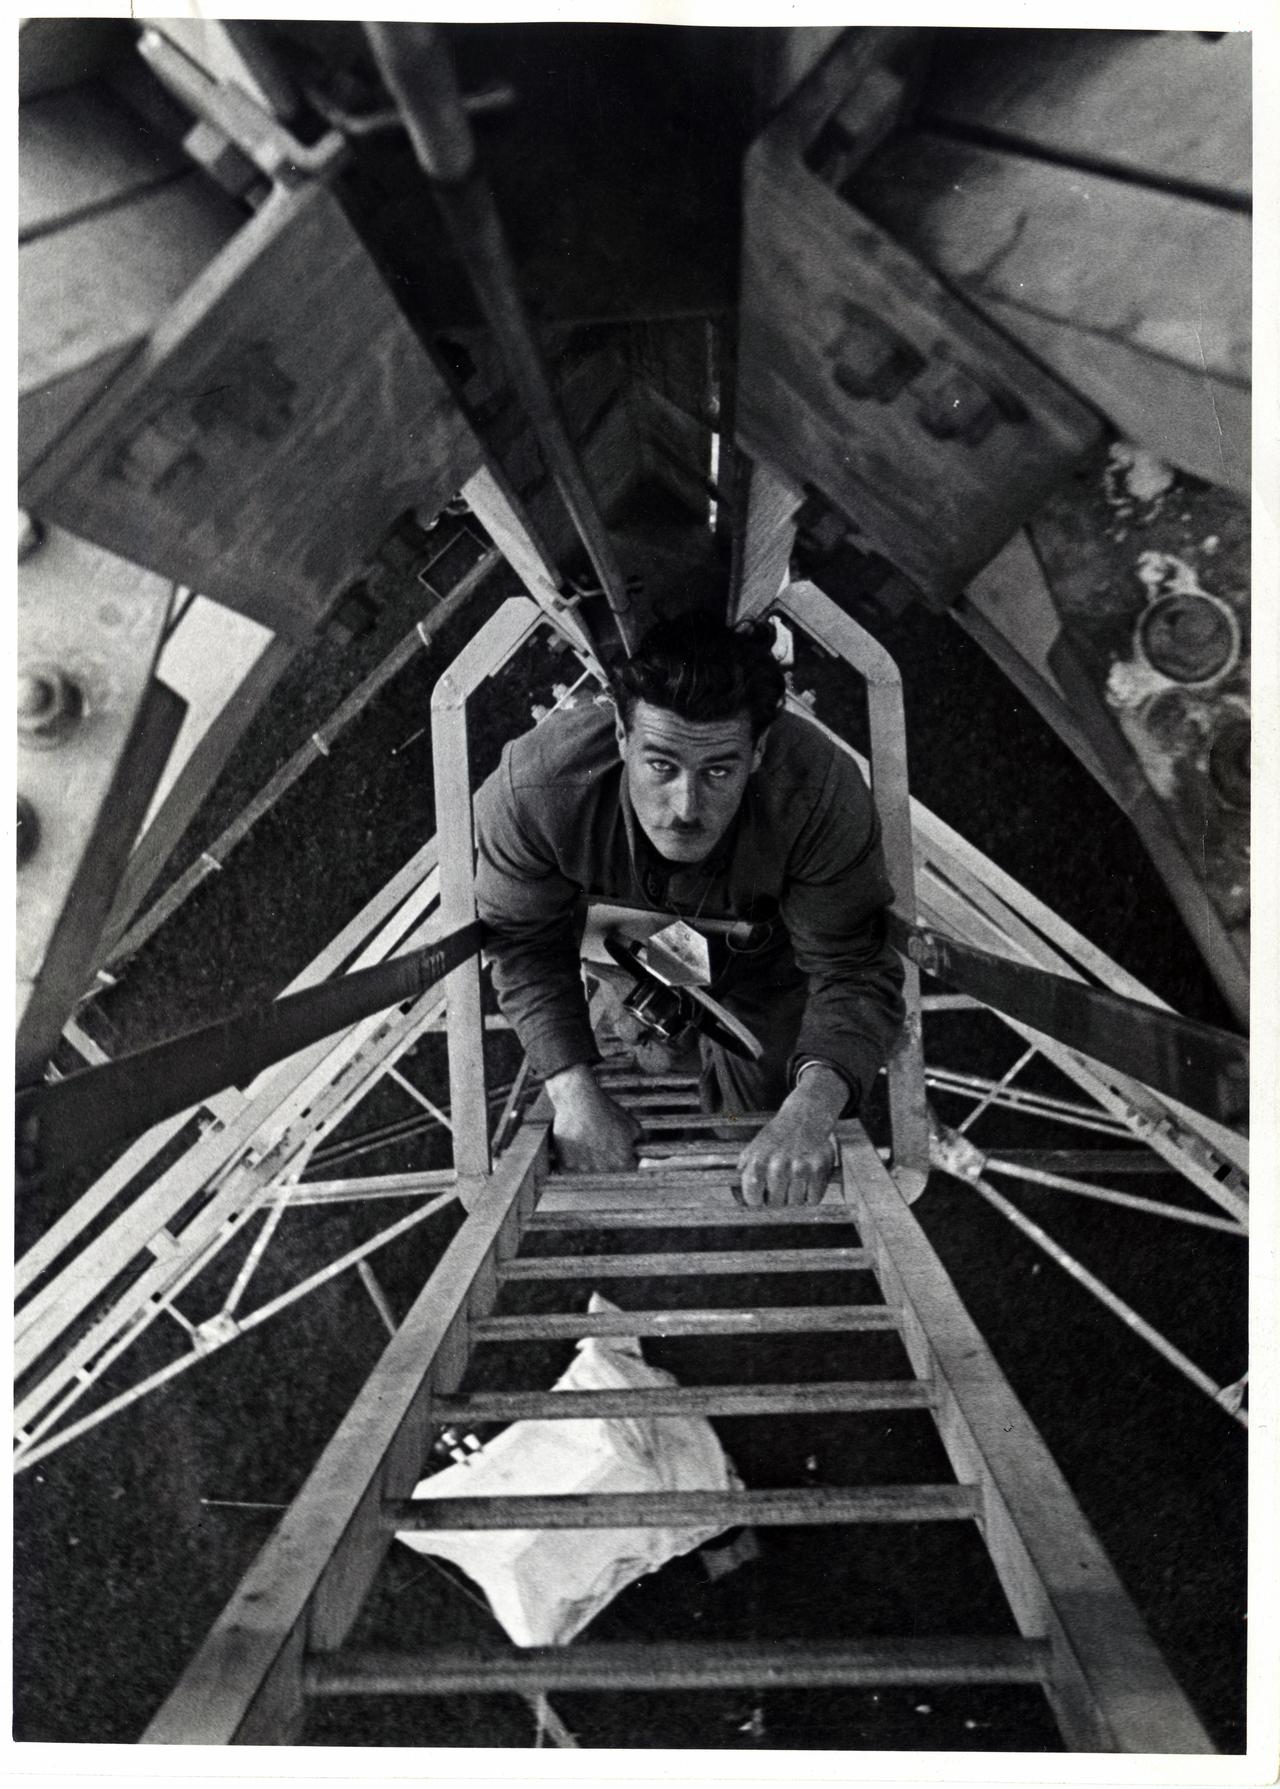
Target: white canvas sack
(545, 1585)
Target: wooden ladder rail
(303, 1592)
(281, 1641)
(1109, 1686)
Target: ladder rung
(714, 1178)
(660, 1098)
(688, 1217)
(680, 1665)
(686, 1400)
(710, 1261)
(785, 1320)
(685, 1157)
(648, 1182)
(803, 1506)
(744, 1122)
(704, 1192)
(623, 1079)
(678, 1146)
(671, 1198)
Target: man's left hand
(790, 1161)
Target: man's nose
(684, 799)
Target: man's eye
(718, 774)
(660, 766)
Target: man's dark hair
(698, 667)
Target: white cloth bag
(545, 1585)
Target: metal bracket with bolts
(272, 149)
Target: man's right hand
(593, 1134)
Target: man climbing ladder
(695, 796)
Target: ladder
(283, 1646)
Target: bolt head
(49, 704)
(29, 535)
(1189, 638)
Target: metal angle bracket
(862, 376)
(94, 731)
(227, 110)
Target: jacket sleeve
(833, 906)
(531, 913)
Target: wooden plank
(363, 1187)
(1158, 337)
(746, 1122)
(622, 1081)
(855, 96)
(713, 1178)
(89, 295)
(97, 847)
(346, 1579)
(174, 807)
(654, 1182)
(81, 152)
(685, 1400)
(691, 1157)
(783, 1320)
(201, 769)
(659, 1099)
(681, 1665)
(1013, 595)
(703, 1261)
(280, 419)
(856, 363)
(499, 639)
(1161, 107)
(1002, 642)
(107, 280)
(718, 1202)
(210, 43)
(507, 521)
(689, 1218)
(252, 1650)
(47, 411)
(1110, 1689)
(209, 656)
(890, 790)
(1086, 1161)
(762, 552)
(122, 943)
(807, 1506)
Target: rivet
(49, 705)
(1190, 638)
(30, 535)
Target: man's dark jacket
(801, 861)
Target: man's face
(686, 778)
